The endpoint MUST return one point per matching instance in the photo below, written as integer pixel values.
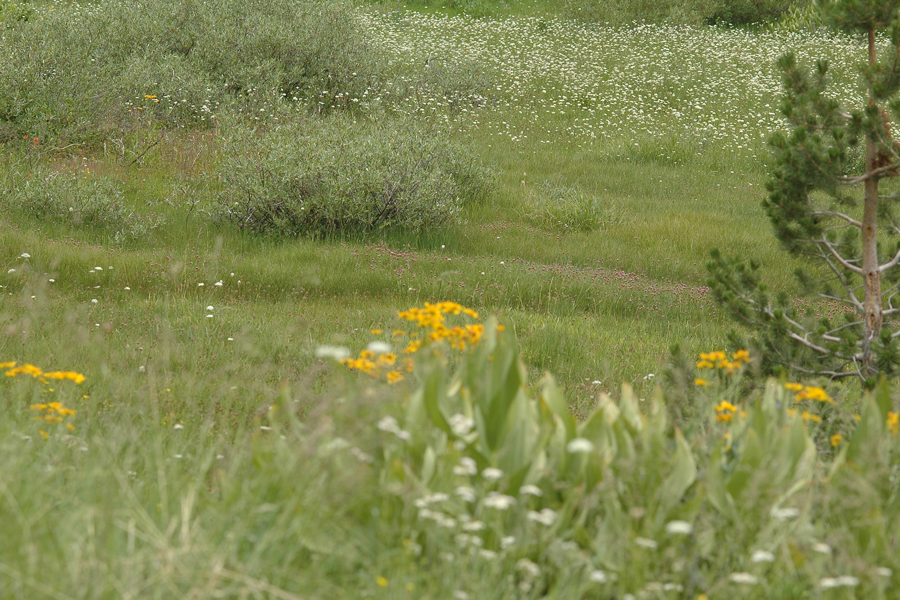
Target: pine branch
(840, 258)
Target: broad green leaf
(682, 475)
(748, 465)
(433, 395)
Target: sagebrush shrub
(80, 200)
(335, 175)
(76, 72)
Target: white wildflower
(679, 528)
(822, 548)
(507, 541)
(598, 576)
(178, 426)
(487, 554)
(745, 578)
(461, 424)
(334, 352)
(466, 466)
(460, 595)
(531, 490)
(472, 526)
(762, 556)
(24, 255)
(465, 493)
(547, 516)
(530, 569)
(499, 501)
(843, 581)
(378, 347)
(580, 446)
(218, 284)
(783, 514)
(883, 572)
(646, 543)
(492, 474)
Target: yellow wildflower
(376, 331)
(893, 422)
(7, 365)
(381, 581)
(705, 364)
(394, 376)
(808, 416)
(700, 382)
(725, 405)
(813, 393)
(741, 356)
(794, 387)
(837, 439)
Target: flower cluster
(37, 373)
(378, 359)
(719, 360)
(725, 411)
(432, 319)
(53, 413)
(805, 392)
(893, 422)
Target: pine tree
(829, 206)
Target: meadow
(390, 303)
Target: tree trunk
(871, 274)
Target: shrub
(77, 72)
(734, 12)
(336, 175)
(77, 200)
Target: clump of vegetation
(83, 72)
(733, 12)
(344, 176)
(566, 207)
(77, 199)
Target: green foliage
(77, 199)
(733, 12)
(815, 214)
(84, 72)
(337, 176)
(560, 207)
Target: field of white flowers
(595, 85)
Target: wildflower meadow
(376, 299)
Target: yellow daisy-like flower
(893, 422)
(837, 439)
(700, 382)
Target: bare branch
(840, 258)
(829, 213)
(890, 263)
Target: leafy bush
(79, 200)
(79, 72)
(336, 175)
(554, 206)
(483, 473)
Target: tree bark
(873, 312)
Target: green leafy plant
(339, 176)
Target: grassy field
(217, 451)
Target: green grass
(208, 455)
